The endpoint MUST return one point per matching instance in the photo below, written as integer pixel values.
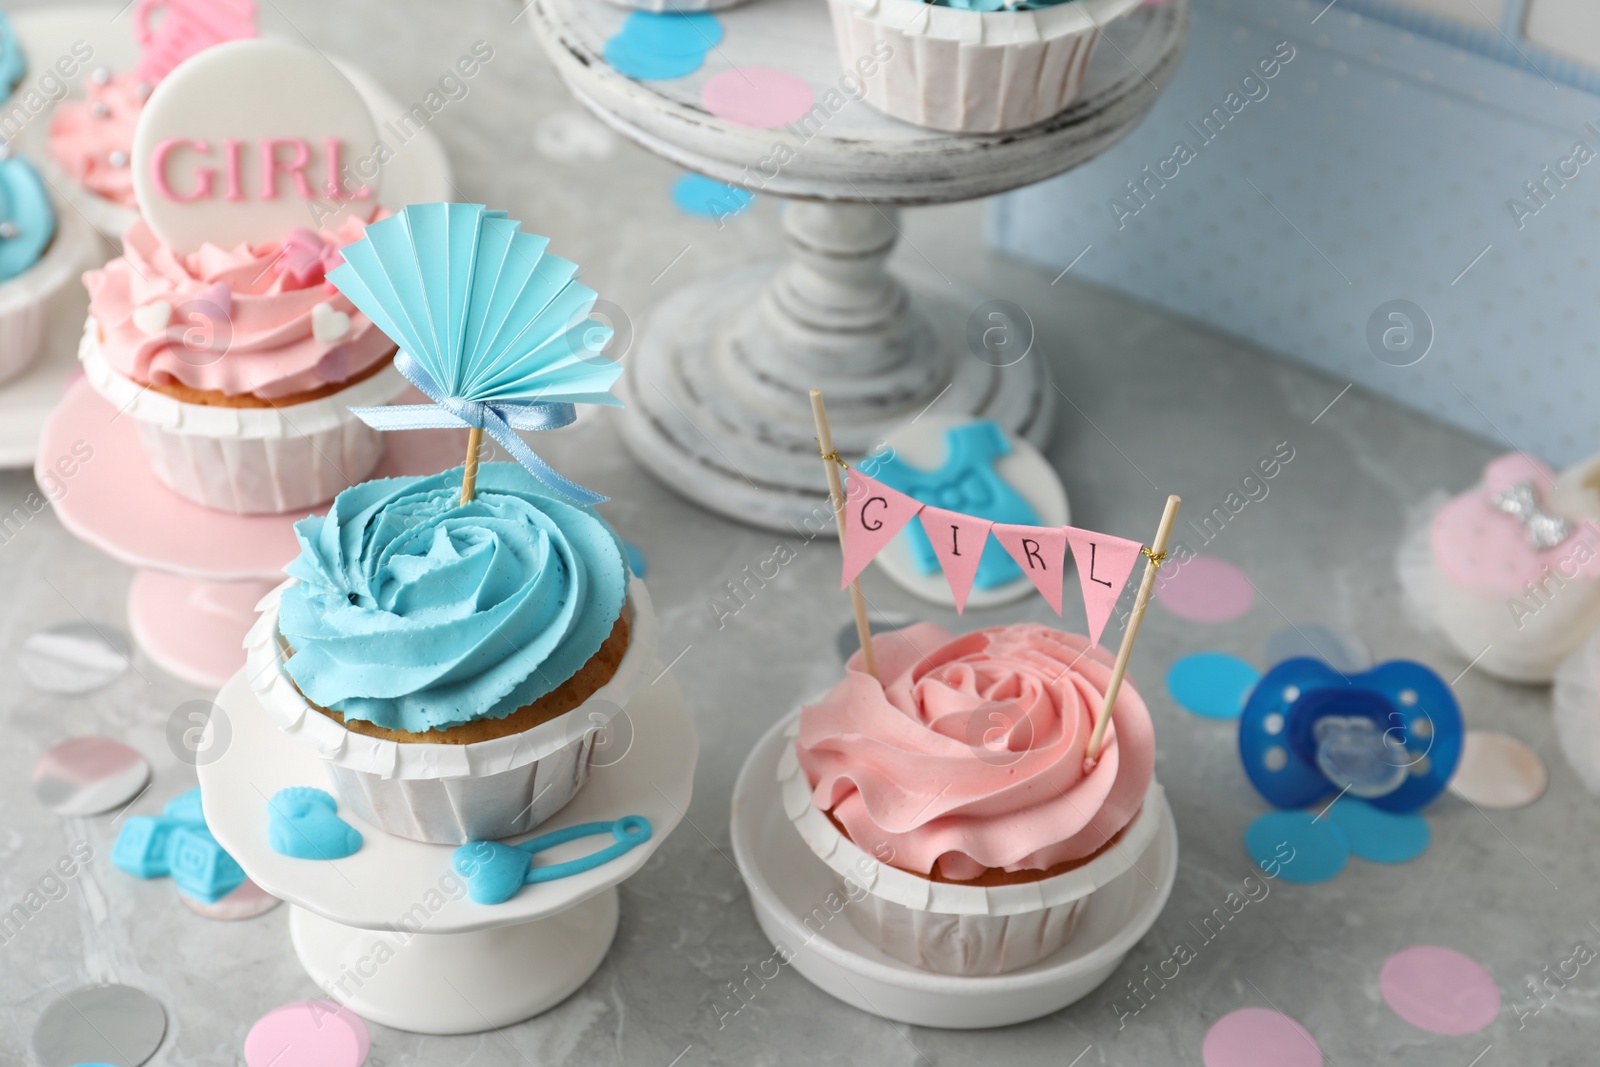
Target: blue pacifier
(496, 871)
(1391, 736)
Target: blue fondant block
(199, 866)
(141, 847)
(966, 483)
(185, 808)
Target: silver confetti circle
(75, 657)
(110, 1024)
(245, 902)
(89, 775)
(1339, 650)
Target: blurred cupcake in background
(41, 252)
(90, 142)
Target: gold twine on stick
(833, 464)
(1155, 554)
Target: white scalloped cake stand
(787, 881)
(716, 393)
(473, 967)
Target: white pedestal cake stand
(355, 922)
(716, 392)
(789, 886)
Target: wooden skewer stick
(1147, 586)
(469, 476)
(830, 460)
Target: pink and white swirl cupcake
(952, 800)
(91, 142)
(240, 366)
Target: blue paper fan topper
(491, 327)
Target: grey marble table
(1150, 405)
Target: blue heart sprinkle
(1212, 684)
(304, 823)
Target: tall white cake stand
(716, 392)
(379, 931)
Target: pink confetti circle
(1205, 589)
(1439, 990)
(1256, 1037)
(308, 1033)
(757, 96)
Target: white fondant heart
(152, 319)
(328, 324)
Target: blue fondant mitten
(304, 823)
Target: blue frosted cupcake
(452, 661)
(40, 254)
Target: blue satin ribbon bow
(499, 419)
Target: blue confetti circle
(1299, 846)
(656, 47)
(1380, 836)
(1212, 684)
(699, 195)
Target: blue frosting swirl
(13, 65)
(414, 611)
(25, 206)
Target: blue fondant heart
(304, 823)
(494, 872)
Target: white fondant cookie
(249, 140)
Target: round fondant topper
(248, 141)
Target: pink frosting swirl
(242, 320)
(970, 755)
(92, 139)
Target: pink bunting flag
(873, 514)
(1104, 564)
(958, 540)
(1041, 552)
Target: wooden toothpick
(1153, 557)
(831, 460)
(469, 475)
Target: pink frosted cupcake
(951, 799)
(90, 143)
(239, 366)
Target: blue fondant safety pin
(495, 871)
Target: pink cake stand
(200, 571)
